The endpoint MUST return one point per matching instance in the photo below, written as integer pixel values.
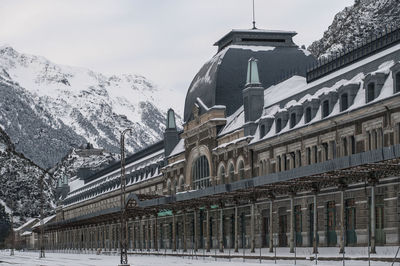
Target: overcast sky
(165, 40)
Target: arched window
(308, 114)
(201, 173)
(278, 125)
(292, 120)
(344, 104)
(262, 131)
(241, 170)
(370, 92)
(221, 174)
(231, 172)
(325, 108)
(397, 82)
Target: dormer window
(373, 84)
(292, 120)
(397, 82)
(344, 102)
(308, 114)
(370, 92)
(325, 108)
(278, 125)
(262, 131)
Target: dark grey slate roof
(221, 80)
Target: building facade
(277, 149)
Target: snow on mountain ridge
(355, 24)
(95, 106)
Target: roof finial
(254, 17)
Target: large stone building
(276, 149)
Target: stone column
(134, 234)
(271, 227)
(110, 237)
(184, 232)
(208, 238)
(195, 229)
(156, 232)
(140, 233)
(221, 230)
(315, 225)
(252, 236)
(373, 219)
(342, 227)
(148, 234)
(236, 230)
(173, 232)
(291, 224)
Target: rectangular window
(398, 133)
(292, 120)
(325, 108)
(308, 114)
(298, 158)
(315, 154)
(345, 151)
(370, 92)
(333, 149)
(344, 104)
(308, 155)
(326, 151)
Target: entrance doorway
(283, 224)
(350, 222)
(331, 224)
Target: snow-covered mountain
(354, 24)
(20, 186)
(47, 108)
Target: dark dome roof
(221, 80)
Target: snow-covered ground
(32, 258)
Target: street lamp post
(12, 233)
(124, 229)
(41, 254)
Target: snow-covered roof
(30, 221)
(233, 122)
(179, 148)
(359, 100)
(136, 172)
(26, 233)
(45, 221)
(224, 145)
(272, 94)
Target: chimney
(253, 98)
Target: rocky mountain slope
(84, 157)
(19, 179)
(354, 24)
(47, 109)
